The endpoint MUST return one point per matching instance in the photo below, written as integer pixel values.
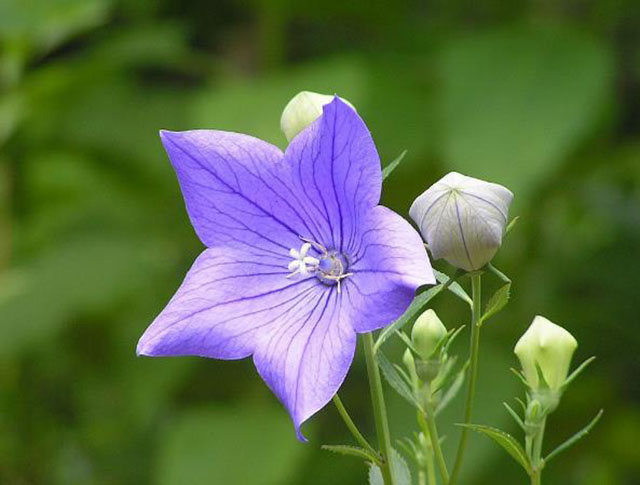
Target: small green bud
(408, 360)
(545, 350)
(427, 333)
(303, 109)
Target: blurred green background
(542, 96)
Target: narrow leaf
(416, 307)
(575, 438)
(453, 390)
(454, 287)
(386, 171)
(351, 451)
(407, 341)
(514, 415)
(578, 371)
(395, 380)
(497, 302)
(519, 375)
(503, 277)
(511, 224)
(506, 441)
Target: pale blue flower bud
(303, 109)
(546, 349)
(462, 219)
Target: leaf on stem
(578, 371)
(454, 287)
(511, 224)
(352, 451)
(506, 441)
(386, 171)
(401, 472)
(453, 390)
(575, 438)
(496, 303)
(514, 415)
(396, 381)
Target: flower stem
(352, 426)
(431, 468)
(537, 463)
(379, 409)
(435, 444)
(476, 295)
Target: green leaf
(417, 306)
(351, 451)
(395, 380)
(511, 225)
(514, 415)
(401, 472)
(228, 445)
(540, 87)
(454, 287)
(578, 371)
(497, 302)
(453, 389)
(575, 438)
(386, 171)
(506, 441)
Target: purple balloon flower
(300, 257)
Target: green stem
(535, 479)
(537, 463)
(379, 409)
(476, 295)
(352, 426)
(435, 444)
(431, 468)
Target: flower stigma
(330, 266)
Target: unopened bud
(303, 109)
(462, 219)
(545, 350)
(427, 333)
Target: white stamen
(302, 264)
(305, 265)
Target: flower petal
(224, 304)
(231, 186)
(389, 265)
(336, 173)
(306, 358)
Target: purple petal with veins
(356, 265)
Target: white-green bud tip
(303, 109)
(549, 348)
(408, 360)
(427, 333)
(462, 219)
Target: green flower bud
(408, 360)
(303, 109)
(546, 349)
(410, 363)
(427, 333)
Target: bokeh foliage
(540, 96)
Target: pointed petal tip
(301, 438)
(144, 347)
